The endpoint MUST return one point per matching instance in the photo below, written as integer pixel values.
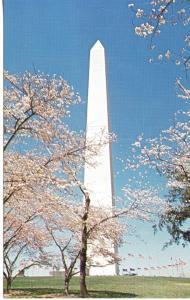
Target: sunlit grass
(104, 287)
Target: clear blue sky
(55, 36)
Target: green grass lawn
(104, 287)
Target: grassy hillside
(104, 287)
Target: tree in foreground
(40, 150)
(169, 154)
(34, 109)
(104, 226)
(44, 161)
(62, 226)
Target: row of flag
(150, 257)
(181, 263)
(138, 255)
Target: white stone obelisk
(98, 179)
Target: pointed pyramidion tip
(97, 45)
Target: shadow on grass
(33, 292)
(110, 294)
(52, 292)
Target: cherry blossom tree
(101, 227)
(22, 255)
(40, 152)
(63, 227)
(169, 156)
(34, 108)
(43, 167)
(169, 153)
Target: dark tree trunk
(9, 284)
(83, 288)
(67, 280)
(83, 252)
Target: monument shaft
(98, 178)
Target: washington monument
(98, 179)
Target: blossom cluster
(155, 15)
